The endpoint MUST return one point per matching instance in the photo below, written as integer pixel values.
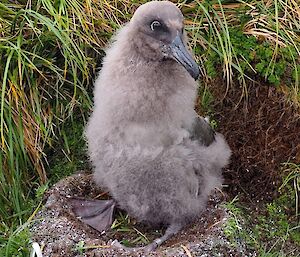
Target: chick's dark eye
(155, 25)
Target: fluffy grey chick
(158, 159)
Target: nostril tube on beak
(178, 51)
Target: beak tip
(178, 52)
(196, 73)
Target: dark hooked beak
(178, 51)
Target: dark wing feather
(202, 131)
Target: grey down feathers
(157, 158)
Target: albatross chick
(157, 158)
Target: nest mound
(58, 231)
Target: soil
(263, 132)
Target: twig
(187, 251)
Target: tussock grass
(42, 80)
(229, 35)
(292, 180)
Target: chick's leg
(172, 230)
(96, 213)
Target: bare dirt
(263, 131)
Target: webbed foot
(96, 213)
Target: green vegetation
(292, 183)
(123, 224)
(254, 59)
(47, 63)
(269, 230)
(64, 161)
(248, 40)
(49, 53)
